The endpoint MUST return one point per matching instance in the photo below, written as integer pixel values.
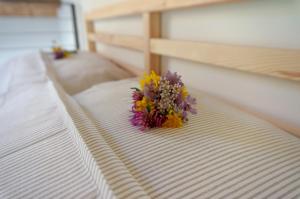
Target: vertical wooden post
(152, 28)
(90, 29)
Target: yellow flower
(56, 49)
(184, 92)
(173, 121)
(153, 77)
(141, 105)
(67, 54)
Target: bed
(83, 69)
(221, 153)
(60, 144)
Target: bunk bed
(54, 145)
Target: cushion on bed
(84, 69)
(220, 153)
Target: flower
(152, 78)
(173, 121)
(168, 96)
(60, 53)
(161, 102)
(173, 78)
(184, 92)
(141, 104)
(137, 95)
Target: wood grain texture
(130, 7)
(33, 1)
(90, 29)
(131, 42)
(273, 62)
(132, 69)
(152, 29)
(28, 9)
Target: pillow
(84, 69)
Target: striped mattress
(56, 146)
(221, 153)
(42, 154)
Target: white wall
(267, 23)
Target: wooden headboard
(282, 63)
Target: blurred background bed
(28, 26)
(82, 70)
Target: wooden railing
(282, 63)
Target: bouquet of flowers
(59, 52)
(161, 101)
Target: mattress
(56, 146)
(82, 70)
(42, 154)
(220, 153)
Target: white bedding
(42, 154)
(221, 153)
(84, 69)
(54, 146)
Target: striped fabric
(98, 156)
(42, 154)
(221, 153)
(54, 146)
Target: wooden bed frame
(281, 63)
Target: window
(20, 34)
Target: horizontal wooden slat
(274, 62)
(132, 69)
(33, 1)
(130, 7)
(132, 42)
(28, 9)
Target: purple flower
(150, 92)
(146, 120)
(59, 55)
(188, 105)
(191, 100)
(137, 119)
(155, 119)
(137, 95)
(173, 78)
(179, 99)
